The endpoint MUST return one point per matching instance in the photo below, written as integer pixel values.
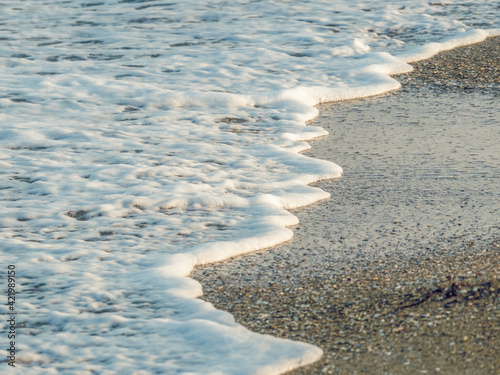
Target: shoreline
(427, 305)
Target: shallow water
(424, 165)
(142, 138)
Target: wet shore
(399, 271)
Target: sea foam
(140, 139)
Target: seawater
(139, 139)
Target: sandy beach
(398, 272)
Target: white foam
(140, 139)
(431, 49)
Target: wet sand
(397, 273)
